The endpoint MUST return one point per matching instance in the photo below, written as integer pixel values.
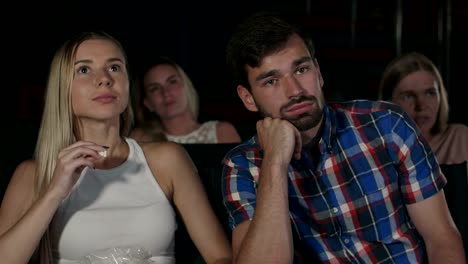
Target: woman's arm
(23, 221)
(174, 165)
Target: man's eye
(270, 82)
(301, 69)
(115, 68)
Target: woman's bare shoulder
(24, 174)
(227, 133)
(457, 130)
(19, 193)
(458, 127)
(168, 161)
(26, 167)
(163, 150)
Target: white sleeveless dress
(206, 133)
(121, 207)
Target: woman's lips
(105, 99)
(421, 119)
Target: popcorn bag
(131, 255)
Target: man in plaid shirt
(350, 182)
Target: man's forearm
(269, 239)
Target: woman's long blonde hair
(57, 126)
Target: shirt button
(346, 241)
(335, 210)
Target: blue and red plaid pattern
(348, 206)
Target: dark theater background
(355, 39)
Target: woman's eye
(83, 70)
(432, 93)
(153, 89)
(407, 97)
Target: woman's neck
(180, 125)
(428, 136)
(116, 154)
(108, 136)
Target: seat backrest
(208, 160)
(456, 194)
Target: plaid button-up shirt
(347, 205)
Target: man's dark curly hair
(257, 36)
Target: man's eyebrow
(273, 72)
(302, 60)
(266, 75)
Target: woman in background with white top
(166, 106)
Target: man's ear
(247, 98)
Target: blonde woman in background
(166, 106)
(414, 82)
(72, 201)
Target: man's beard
(305, 121)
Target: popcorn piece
(103, 153)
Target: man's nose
(292, 87)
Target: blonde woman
(90, 187)
(167, 108)
(414, 82)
